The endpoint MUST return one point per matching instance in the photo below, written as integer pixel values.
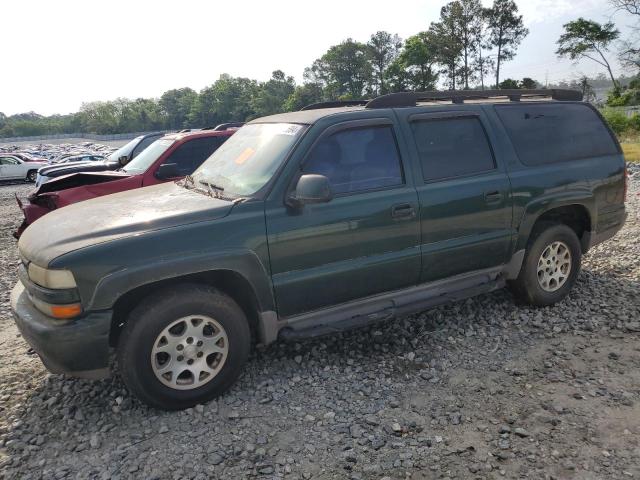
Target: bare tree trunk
(498, 66)
(616, 86)
(481, 68)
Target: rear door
(465, 200)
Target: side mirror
(310, 189)
(167, 170)
(123, 160)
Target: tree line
(460, 50)
(465, 48)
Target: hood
(77, 180)
(111, 217)
(67, 168)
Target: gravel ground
(478, 389)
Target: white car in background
(13, 168)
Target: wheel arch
(240, 275)
(229, 282)
(578, 214)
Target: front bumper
(78, 347)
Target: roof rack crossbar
(410, 99)
(336, 103)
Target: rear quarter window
(554, 133)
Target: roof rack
(336, 103)
(225, 126)
(411, 99)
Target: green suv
(317, 221)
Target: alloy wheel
(554, 266)
(189, 352)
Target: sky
(58, 54)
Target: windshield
(124, 150)
(147, 156)
(246, 162)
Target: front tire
(32, 175)
(551, 266)
(182, 346)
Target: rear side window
(357, 160)
(144, 143)
(191, 154)
(452, 147)
(553, 133)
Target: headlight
(54, 279)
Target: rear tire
(182, 346)
(550, 267)
(31, 176)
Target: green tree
(529, 83)
(506, 31)
(397, 76)
(176, 105)
(384, 49)
(344, 70)
(588, 94)
(272, 95)
(444, 36)
(471, 20)
(228, 99)
(509, 84)
(304, 95)
(588, 39)
(414, 69)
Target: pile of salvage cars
(146, 160)
(57, 153)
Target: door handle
(493, 197)
(403, 210)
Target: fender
(242, 261)
(533, 210)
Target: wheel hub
(554, 266)
(189, 352)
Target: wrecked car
(169, 158)
(114, 161)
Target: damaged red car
(169, 158)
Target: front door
(365, 240)
(11, 168)
(465, 201)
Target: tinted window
(357, 159)
(452, 147)
(190, 155)
(144, 144)
(551, 133)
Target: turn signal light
(66, 311)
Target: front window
(147, 157)
(248, 160)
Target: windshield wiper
(214, 190)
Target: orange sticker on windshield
(245, 155)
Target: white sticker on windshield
(290, 129)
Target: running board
(363, 312)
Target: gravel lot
(478, 389)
